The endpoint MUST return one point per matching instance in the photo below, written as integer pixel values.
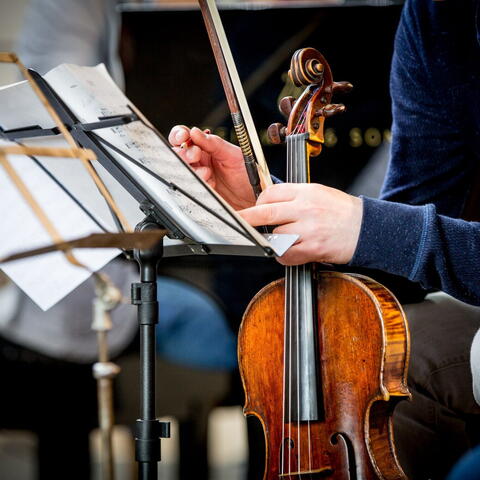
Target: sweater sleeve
(417, 243)
(434, 85)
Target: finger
(280, 192)
(178, 135)
(211, 182)
(295, 255)
(205, 173)
(193, 155)
(269, 214)
(212, 144)
(292, 228)
(181, 152)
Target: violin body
(361, 344)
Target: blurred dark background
(171, 74)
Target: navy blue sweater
(414, 231)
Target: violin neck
(298, 170)
(302, 400)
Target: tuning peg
(285, 106)
(330, 110)
(276, 133)
(342, 87)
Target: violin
(323, 355)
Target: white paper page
(19, 108)
(74, 177)
(47, 278)
(91, 94)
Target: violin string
(309, 393)
(299, 316)
(308, 304)
(285, 332)
(303, 179)
(287, 306)
(287, 342)
(290, 269)
(301, 121)
(302, 128)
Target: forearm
(417, 243)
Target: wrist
(353, 227)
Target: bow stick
(255, 163)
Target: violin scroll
(307, 68)
(307, 114)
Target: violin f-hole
(342, 438)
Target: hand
(327, 220)
(215, 161)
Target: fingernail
(180, 135)
(200, 132)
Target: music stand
(149, 430)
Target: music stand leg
(104, 372)
(107, 297)
(144, 294)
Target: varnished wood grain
(363, 351)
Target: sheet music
(47, 278)
(90, 94)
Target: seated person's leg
(193, 329)
(193, 332)
(432, 431)
(468, 468)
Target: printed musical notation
(66, 192)
(91, 94)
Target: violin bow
(257, 169)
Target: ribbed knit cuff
(275, 179)
(392, 237)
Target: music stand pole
(144, 294)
